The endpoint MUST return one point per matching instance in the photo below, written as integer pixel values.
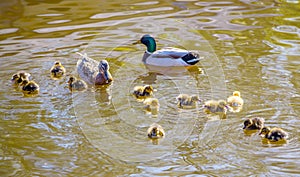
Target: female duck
(256, 123)
(94, 72)
(57, 70)
(167, 56)
(76, 84)
(187, 101)
(18, 77)
(235, 102)
(29, 87)
(142, 92)
(152, 105)
(155, 131)
(274, 134)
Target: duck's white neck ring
(148, 52)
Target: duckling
(57, 70)
(235, 102)
(254, 123)
(29, 87)
(94, 72)
(212, 106)
(273, 134)
(76, 84)
(187, 101)
(155, 131)
(142, 92)
(18, 77)
(152, 105)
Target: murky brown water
(250, 46)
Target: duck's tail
(84, 55)
(191, 58)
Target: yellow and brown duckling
(235, 102)
(155, 131)
(273, 134)
(187, 101)
(18, 77)
(29, 87)
(213, 106)
(152, 105)
(76, 84)
(57, 70)
(142, 92)
(256, 123)
(219, 107)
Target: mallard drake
(94, 72)
(254, 123)
(18, 77)
(57, 70)
(76, 84)
(212, 106)
(235, 102)
(187, 101)
(155, 131)
(168, 56)
(151, 105)
(29, 87)
(142, 92)
(273, 134)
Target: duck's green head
(149, 41)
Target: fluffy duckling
(94, 72)
(235, 102)
(155, 131)
(187, 101)
(273, 134)
(18, 77)
(29, 87)
(76, 84)
(57, 70)
(152, 105)
(212, 106)
(256, 123)
(142, 92)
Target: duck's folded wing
(87, 68)
(170, 52)
(185, 57)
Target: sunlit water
(250, 46)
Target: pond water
(249, 46)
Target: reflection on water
(250, 46)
